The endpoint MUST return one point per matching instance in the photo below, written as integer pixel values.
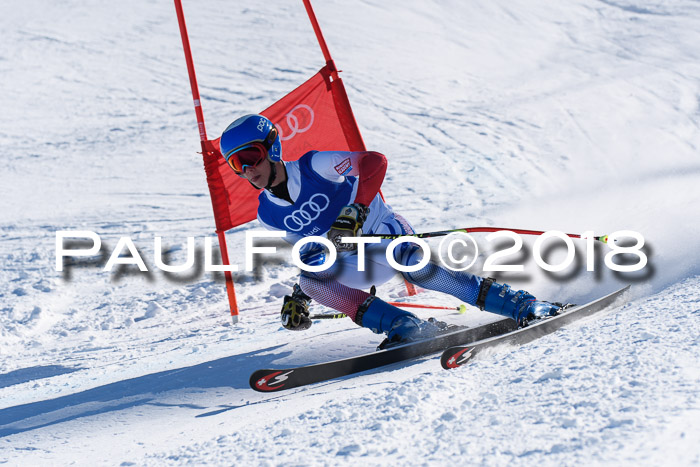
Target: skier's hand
(348, 224)
(295, 311)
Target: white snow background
(578, 115)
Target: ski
(269, 380)
(459, 355)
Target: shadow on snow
(232, 372)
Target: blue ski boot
(400, 326)
(518, 305)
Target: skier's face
(258, 174)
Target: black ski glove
(295, 311)
(348, 224)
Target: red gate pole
(321, 40)
(230, 288)
(190, 71)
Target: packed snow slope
(575, 116)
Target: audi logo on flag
(299, 120)
(307, 212)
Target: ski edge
(271, 380)
(459, 355)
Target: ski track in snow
(574, 116)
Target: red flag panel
(314, 116)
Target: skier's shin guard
(379, 316)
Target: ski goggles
(250, 155)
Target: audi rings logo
(299, 120)
(309, 211)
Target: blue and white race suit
(320, 184)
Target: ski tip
(269, 380)
(456, 356)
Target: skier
(336, 194)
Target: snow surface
(544, 115)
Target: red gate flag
(314, 116)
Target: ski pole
(328, 316)
(442, 233)
(461, 309)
